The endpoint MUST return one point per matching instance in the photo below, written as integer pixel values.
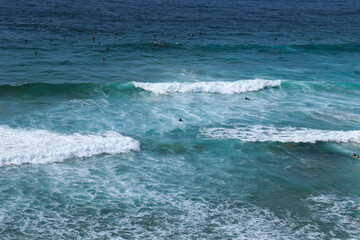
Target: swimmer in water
(93, 38)
(180, 120)
(35, 53)
(51, 39)
(154, 35)
(116, 34)
(200, 33)
(103, 59)
(99, 42)
(247, 99)
(191, 35)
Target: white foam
(19, 146)
(208, 87)
(338, 210)
(287, 134)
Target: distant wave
(33, 146)
(208, 87)
(286, 135)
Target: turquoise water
(93, 149)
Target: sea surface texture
(91, 146)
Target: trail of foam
(288, 134)
(20, 146)
(208, 87)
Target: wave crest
(288, 134)
(208, 87)
(20, 146)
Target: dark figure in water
(154, 35)
(174, 36)
(191, 35)
(247, 99)
(35, 53)
(51, 39)
(355, 155)
(116, 34)
(275, 39)
(103, 59)
(180, 120)
(310, 39)
(26, 40)
(200, 33)
(107, 49)
(95, 32)
(93, 38)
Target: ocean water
(90, 142)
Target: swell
(87, 90)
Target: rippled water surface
(91, 146)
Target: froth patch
(208, 87)
(342, 212)
(19, 146)
(287, 134)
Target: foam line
(208, 87)
(288, 134)
(20, 146)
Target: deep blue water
(90, 142)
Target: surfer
(35, 53)
(180, 120)
(99, 42)
(116, 34)
(355, 155)
(93, 38)
(246, 98)
(191, 35)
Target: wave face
(208, 87)
(286, 135)
(20, 146)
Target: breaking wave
(259, 133)
(208, 87)
(33, 146)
